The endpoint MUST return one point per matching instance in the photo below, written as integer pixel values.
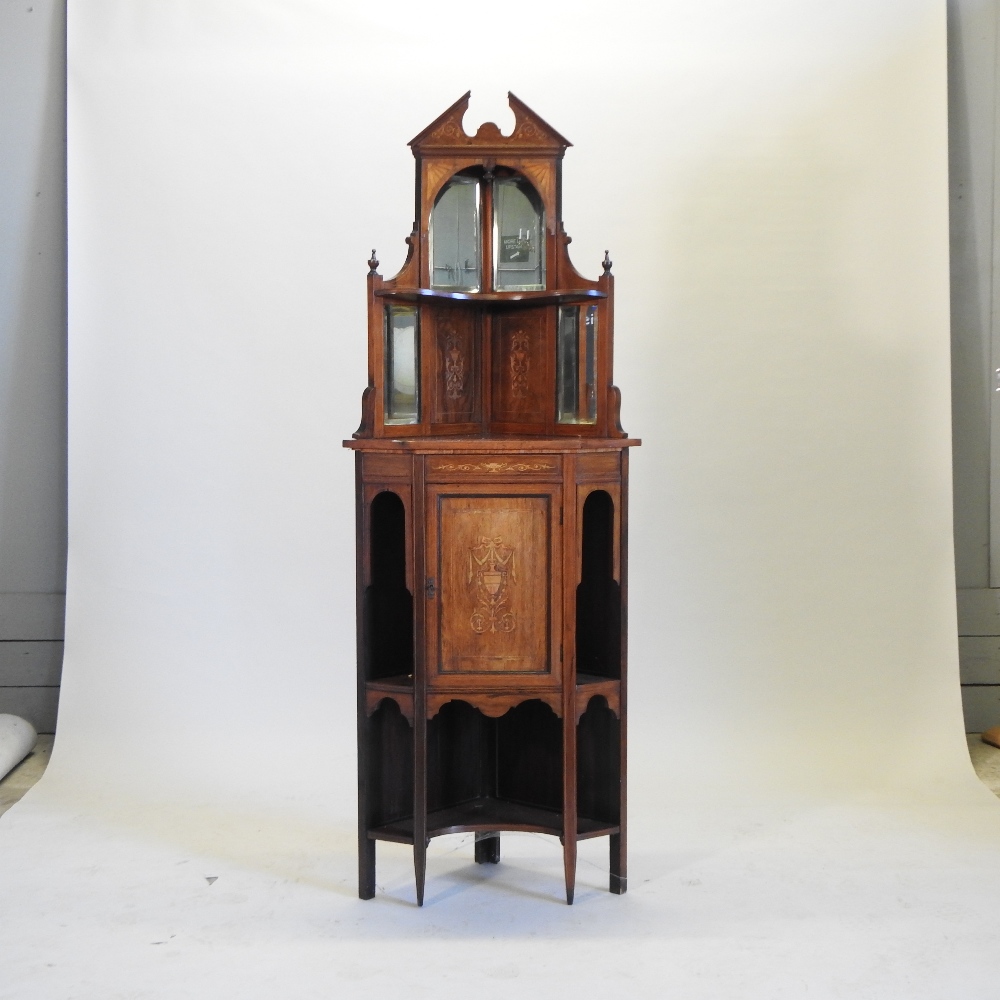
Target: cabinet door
(494, 610)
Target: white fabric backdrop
(771, 179)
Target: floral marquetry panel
(522, 367)
(493, 560)
(456, 393)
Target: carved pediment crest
(531, 132)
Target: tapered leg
(487, 848)
(420, 868)
(420, 804)
(619, 876)
(366, 866)
(569, 866)
(569, 803)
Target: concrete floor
(985, 759)
(762, 901)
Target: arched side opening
(598, 596)
(390, 769)
(461, 756)
(598, 764)
(388, 628)
(529, 756)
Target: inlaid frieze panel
(515, 468)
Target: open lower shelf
(483, 814)
(591, 680)
(398, 682)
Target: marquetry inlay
(519, 364)
(491, 573)
(493, 467)
(454, 365)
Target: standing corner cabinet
(491, 517)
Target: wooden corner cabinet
(492, 478)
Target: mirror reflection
(576, 365)
(454, 234)
(518, 236)
(402, 358)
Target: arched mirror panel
(455, 236)
(518, 236)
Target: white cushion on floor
(17, 740)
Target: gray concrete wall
(975, 333)
(32, 356)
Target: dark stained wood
(420, 835)
(487, 848)
(598, 595)
(366, 848)
(569, 730)
(618, 844)
(398, 689)
(589, 687)
(389, 739)
(486, 815)
(529, 761)
(491, 703)
(491, 542)
(569, 804)
(597, 763)
(460, 762)
(388, 604)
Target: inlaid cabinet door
(494, 575)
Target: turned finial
(606, 265)
(372, 263)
